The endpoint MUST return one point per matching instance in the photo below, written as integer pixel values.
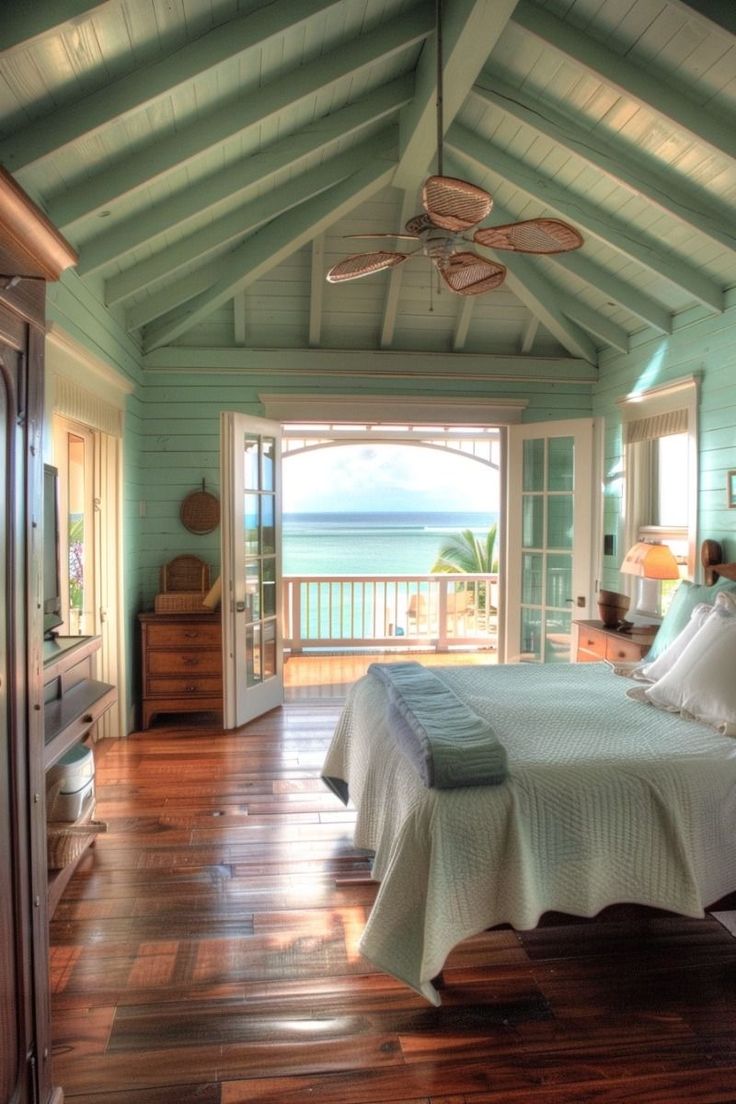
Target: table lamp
(648, 561)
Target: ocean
(371, 543)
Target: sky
(388, 478)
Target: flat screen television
(51, 569)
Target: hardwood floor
(203, 952)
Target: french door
(251, 567)
(548, 551)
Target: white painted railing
(354, 611)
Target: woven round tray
(200, 511)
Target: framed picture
(731, 489)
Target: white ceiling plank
(462, 322)
(110, 104)
(664, 189)
(710, 13)
(316, 291)
(23, 22)
(626, 295)
(135, 171)
(587, 217)
(470, 31)
(262, 252)
(530, 332)
(240, 330)
(631, 80)
(243, 220)
(393, 291)
(143, 227)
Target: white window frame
(646, 416)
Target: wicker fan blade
(396, 237)
(363, 264)
(540, 235)
(454, 204)
(469, 274)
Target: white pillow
(702, 682)
(662, 664)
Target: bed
(607, 799)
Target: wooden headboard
(711, 557)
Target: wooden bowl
(612, 607)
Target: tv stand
(73, 701)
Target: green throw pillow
(684, 600)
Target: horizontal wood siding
(180, 444)
(700, 343)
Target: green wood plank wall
(700, 343)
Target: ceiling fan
(451, 208)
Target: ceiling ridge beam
(611, 157)
(470, 30)
(235, 225)
(270, 246)
(156, 160)
(591, 219)
(630, 79)
(143, 227)
(115, 101)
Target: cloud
(378, 477)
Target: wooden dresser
(182, 663)
(593, 642)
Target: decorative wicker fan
(451, 208)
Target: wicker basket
(181, 602)
(66, 840)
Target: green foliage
(464, 553)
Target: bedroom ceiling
(208, 157)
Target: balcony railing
(361, 611)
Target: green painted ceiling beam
(594, 322)
(24, 20)
(188, 204)
(136, 91)
(587, 217)
(470, 30)
(136, 170)
(232, 228)
(266, 249)
(316, 290)
(632, 80)
(462, 322)
(664, 189)
(618, 291)
(393, 290)
(372, 364)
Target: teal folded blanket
(445, 740)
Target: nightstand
(593, 642)
(182, 663)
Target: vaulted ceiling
(207, 158)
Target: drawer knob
(87, 718)
(191, 662)
(191, 688)
(192, 635)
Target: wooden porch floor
(204, 953)
(329, 676)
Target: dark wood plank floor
(204, 952)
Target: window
(660, 464)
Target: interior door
(548, 552)
(251, 567)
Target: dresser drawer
(186, 635)
(184, 687)
(184, 662)
(591, 645)
(621, 649)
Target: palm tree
(465, 554)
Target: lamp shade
(650, 561)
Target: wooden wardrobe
(31, 252)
